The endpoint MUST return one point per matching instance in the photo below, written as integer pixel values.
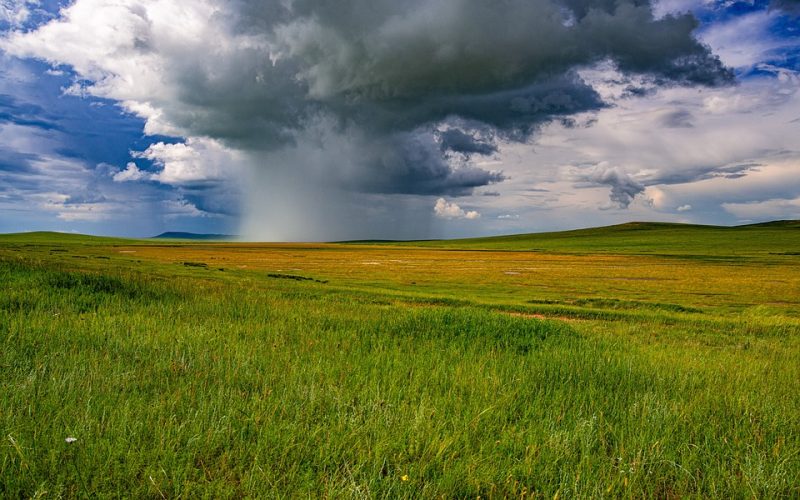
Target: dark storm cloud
(624, 188)
(413, 163)
(458, 141)
(390, 72)
(637, 91)
(391, 69)
(215, 199)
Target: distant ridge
(776, 223)
(635, 227)
(766, 239)
(175, 235)
(600, 238)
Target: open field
(639, 361)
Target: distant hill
(777, 223)
(777, 238)
(175, 235)
(56, 238)
(645, 238)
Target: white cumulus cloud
(131, 173)
(195, 160)
(448, 210)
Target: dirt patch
(294, 277)
(541, 316)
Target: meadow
(643, 360)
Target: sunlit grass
(183, 380)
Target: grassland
(633, 361)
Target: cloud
(458, 141)
(745, 41)
(445, 210)
(257, 75)
(663, 8)
(131, 173)
(678, 118)
(624, 188)
(408, 163)
(193, 161)
(684, 208)
(25, 114)
(46, 185)
(647, 149)
(789, 6)
(15, 12)
(180, 207)
(339, 114)
(60, 204)
(779, 208)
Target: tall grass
(188, 386)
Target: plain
(642, 360)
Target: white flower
(71, 440)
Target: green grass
(188, 381)
(51, 238)
(649, 238)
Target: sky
(318, 120)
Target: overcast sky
(326, 120)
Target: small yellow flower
(405, 477)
